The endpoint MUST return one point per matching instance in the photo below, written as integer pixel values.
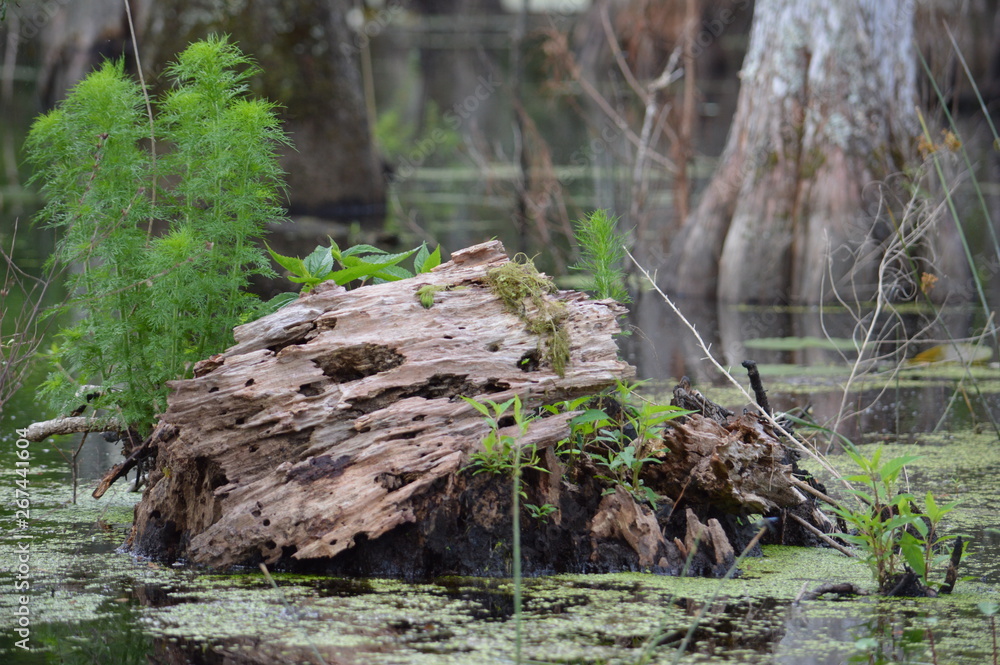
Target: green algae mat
(87, 602)
(71, 596)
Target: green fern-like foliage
(151, 304)
(602, 254)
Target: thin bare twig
(291, 611)
(149, 110)
(822, 536)
(616, 50)
(708, 356)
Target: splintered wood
(333, 419)
(334, 434)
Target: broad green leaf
(899, 521)
(418, 260)
(481, 408)
(857, 540)
(589, 416)
(652, 421)
(320, 262)
(499, 408)
(292, 264)
(891, 469)
(392, 274)
(929, 504)
(362, 249)
(989, 608)
(913, 553)
(279, 301)
(383, 257)
(335, 249)
(357, 271)
(864, 496)
(431, 262)
(308, 281)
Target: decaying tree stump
(332, 419)
(333, 437)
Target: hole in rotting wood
(393, 481)
(301, 339)
(249, 383)
(449, 336)
(389, 481)
(356, 362)
(239, 421)
(530, 361)
(253, 449)
(311, 389)
(404, 435)
(493, 347)
(255, 512)
(326, 324)
(213, 389)
(270, 545)
(436, 387)
(418, 418)
(266, 522)
(495, 386)
(323, 466)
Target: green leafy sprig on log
(358, 263)
(162, 248)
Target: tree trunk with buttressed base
(826, 108)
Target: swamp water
(90, 603)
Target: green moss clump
(425, 294)
(518, 281)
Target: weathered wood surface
(332, 437)
(338, 418)
(733, 467)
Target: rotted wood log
(736, 467)
(332, 437)
(338, 419)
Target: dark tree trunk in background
(310, 67)
(827, 106)
(310, 63)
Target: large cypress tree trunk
(827, 106)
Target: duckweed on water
(585, 619)
(93, 604)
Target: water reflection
(817, 362)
